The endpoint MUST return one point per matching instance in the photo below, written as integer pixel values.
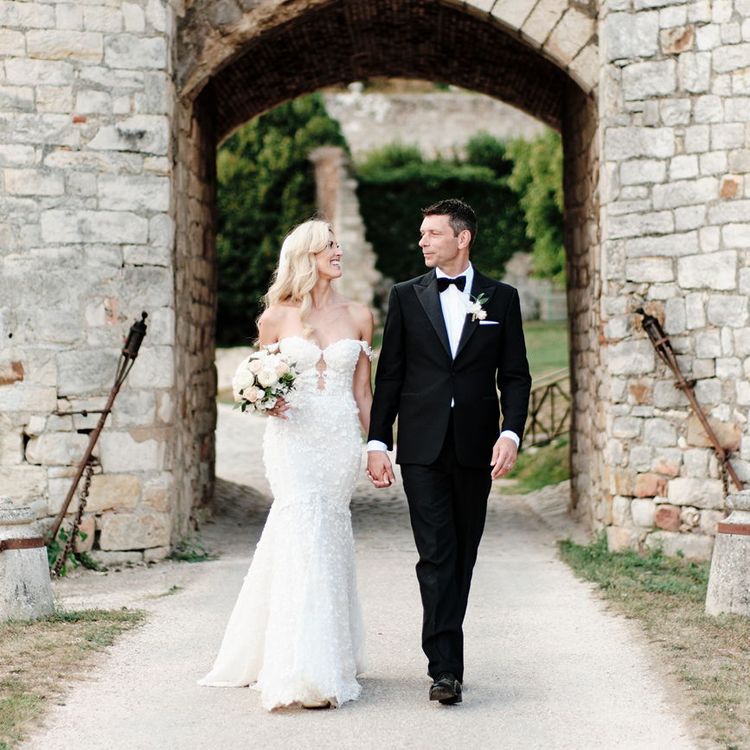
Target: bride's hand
(279, 410)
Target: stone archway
(110, 116)
(542, 62)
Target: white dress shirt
(454, 303)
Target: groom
(450, 337)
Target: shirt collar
(469, 273)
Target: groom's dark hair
(460, 215)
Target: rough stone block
(142, 449)
(631, 142)
(33, 182)
(56, 449)
(156, 554)
(629, 35)
(708, 271)
(675, 111)
(126, 531)
(130, 51)
(683, 166)
(698, 492)
(23, 484)
(727, 310)
(643, 512)
(660, 432)
(62, 226)
(621, 539)
(650, 485)
(692, 546)
(113, 492)
(685, 193)
(731, 57)
(667, 517)
(646, 79)
(86, 373)
(694, 72)
(127, 193)
(736, 235)
(709, 520)
(82, 46)
(709, 108)
(728, 433)
(649, 270)
(685, 243)
(630, 358)
(88, 528)
(142, 133)
(158, 492)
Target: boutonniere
(475, 309)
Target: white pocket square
(489, 323)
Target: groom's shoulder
(402, 286)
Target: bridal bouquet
(261, 379)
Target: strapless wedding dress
(296, 631)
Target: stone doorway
(233, 66)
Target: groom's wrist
(376, 445)
(512, 435)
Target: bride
(296, 630)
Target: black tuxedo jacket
(417, 378)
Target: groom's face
(440, 245)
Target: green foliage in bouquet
(265, 187)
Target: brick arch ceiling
(348, 40)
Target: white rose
(282, 368)
(253, 394)
(242, 380)
(481, 314)
(254, 365)
(267, 377)
(474, 308)
(269, 404)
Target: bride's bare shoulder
(361, 314)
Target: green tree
(537, 178)
(396, 182)
(266, 186)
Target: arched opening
(267, 56)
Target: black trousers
(448, 507)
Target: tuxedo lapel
(480, 285)
(429, 298)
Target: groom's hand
(379, 469)
(504, 454)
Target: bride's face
(328, 259)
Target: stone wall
(336, 197)
(87, 243)
(675, 225)
(437, 122)
(110, 114)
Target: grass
(709, 655)
(538, 467)
(39, 658)
(546, 345)
(191, 550)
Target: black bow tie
(444, 282)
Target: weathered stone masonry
(110, 113)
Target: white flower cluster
(261, 379)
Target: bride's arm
(362, 383)
(268, 326)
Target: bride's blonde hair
(296, 273)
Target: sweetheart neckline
(319, 348)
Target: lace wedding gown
(296, 629)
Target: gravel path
(546, 665)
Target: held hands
(379, 469)
(279, 409)
(504, 454)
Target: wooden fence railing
(549, 408)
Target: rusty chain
(82, 498)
